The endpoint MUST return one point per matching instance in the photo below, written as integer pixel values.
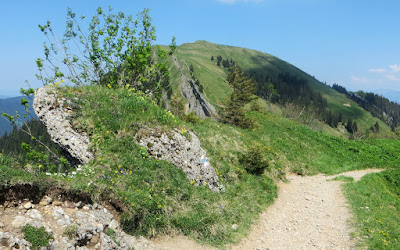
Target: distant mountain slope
(216, 89)
(9, 106)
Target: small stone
(19, 221)
(28, 205)
(64, 240)
(100, 227)
(35, 214)
(57, 203)
(113, 224)
(95, 239)
(235, 226)
(2, 224)
(78, 204)
(4, 239)
(63, 222)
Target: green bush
(38, 237)
(191, 117)
(254, 160)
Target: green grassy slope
(157, 198)
(375, 201)
(218, 90)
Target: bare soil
(309, 213)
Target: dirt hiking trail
(309, 213)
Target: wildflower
(159, 206)
(109, 86)
(192, 182)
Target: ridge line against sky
(352, 43)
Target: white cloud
(240, 1)
(377, 70)
(392, 77)
(359, 79)
(395, 67)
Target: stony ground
(89, 226)
(310, 213)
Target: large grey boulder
(183, 149)
(54, 112)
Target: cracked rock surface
(182, 149)
(54, 112)
(73, 226)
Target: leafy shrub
(191, 117)
(254, 160)
(38, 237)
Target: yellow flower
(192, 182)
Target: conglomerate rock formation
(183, 149)
(54, 112)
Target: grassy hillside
(375, 201)
(217, 90)
(155, 197)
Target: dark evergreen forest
(11, 142)
(379, 106)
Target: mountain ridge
(259, 65)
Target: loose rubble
(74, 225)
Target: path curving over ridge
(309, 213)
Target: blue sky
(352, 43)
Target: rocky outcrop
(183, 149)
(73, 225)
(197, 103)
(54, 112)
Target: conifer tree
(244, 90)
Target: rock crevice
(197, 103)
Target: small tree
(172, 46)
(377, 128)
(243, 93)
(254, 160)
(116, 51)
